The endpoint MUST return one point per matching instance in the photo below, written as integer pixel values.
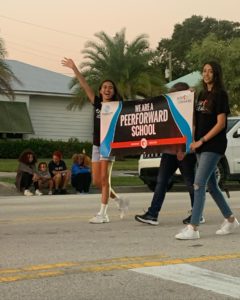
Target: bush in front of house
(43, 148)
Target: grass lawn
(116, 181)
(10, 165)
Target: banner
(154, 125)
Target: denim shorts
(96, 156)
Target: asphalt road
(48, 250)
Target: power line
(25, 46)
(44, 27)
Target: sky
(41, 33)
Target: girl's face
(80, 159)
(56, 159)
(208, 75)
(43, 167)
(107, 91)
(30, 158)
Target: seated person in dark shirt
(59, 173)
(81, 173)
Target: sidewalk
(8, 174)
(8, 189)
(114, 173)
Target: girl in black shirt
(210, 143)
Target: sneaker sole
(150, 222)
(185, 238)
(104, 221)
(98, 222)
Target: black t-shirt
(56, 167)
(96, 125)
(209, 105)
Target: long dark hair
(217, 87)
(24, 157)
(217, 76)
(116, 96)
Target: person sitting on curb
(27, 173)
(45, 179)
(81, 173)
(59, 173)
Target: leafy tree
(130, 65)
(193, 29)
(227, 53)
(6, 75)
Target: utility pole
(170, 65)
(168, 70)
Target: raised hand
(68, 62)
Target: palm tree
(129, 65)
(6, 75)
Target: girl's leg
(106, 170)
(122, 203)
(96, 167)
(218, 196)
(207, 162)
(97, 178)
(36, 185)
(96, 174)
(50, 186)
(230, 223)
(100, 171)
(86, 182)
(57, 181)
(26, 180)
(66, 179)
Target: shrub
(43, 148)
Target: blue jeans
(169, 164)
(206, 177)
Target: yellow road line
(82, 263)
(123, 263)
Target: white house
(46, 95)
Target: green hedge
(43, 148)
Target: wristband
(202, 139)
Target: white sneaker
(188, 233)
(38, 193)
(202, 220)
(50, 193)
(228, 227)
(28, 193)
(123, 206)
(99, 219)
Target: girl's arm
(25, 168)
(68, 62)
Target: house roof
(192, 79)
(37, 80)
